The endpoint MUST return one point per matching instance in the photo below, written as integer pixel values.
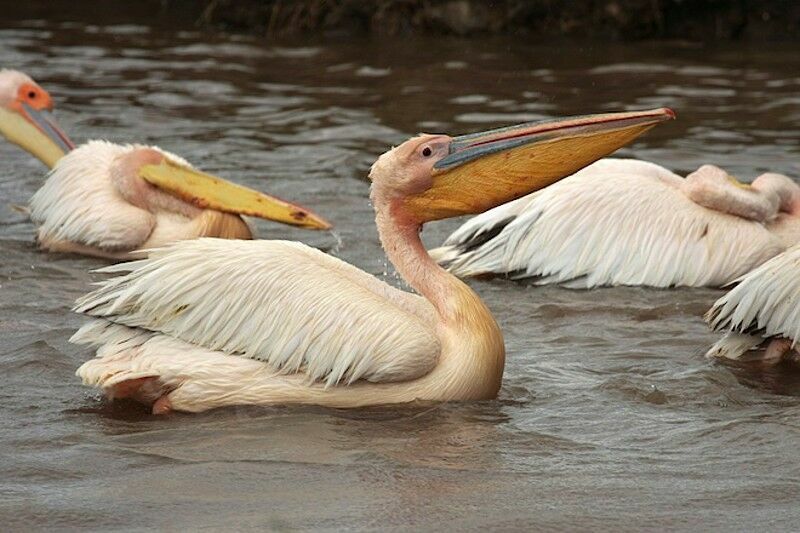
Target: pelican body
(111, 201)
(210, 323)
(629, 222)
(761, 314)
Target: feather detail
(764, 303)
(733, 346)
(78, 203)
(279, 302)
(616, 222)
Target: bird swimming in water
(630, 222)
(112, 200)
(211, 323)
(761, 314)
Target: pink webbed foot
(162, 406)
(126, 389)
(148, 391)
(776, 350)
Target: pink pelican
(110, 200)
(209, 323)
(761, 314)
(628, 222)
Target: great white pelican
(629, 222)
(210, 323)
(761, 314)
(111, 200)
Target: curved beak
(484, 170)
(37, 132)
(211, 192)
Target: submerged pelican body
(110, 200)
(761, 314)
(629, 222)
(209, 323)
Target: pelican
(210, 323)
(761, 313)
(26, 119)
(111, 200)
(630, 222)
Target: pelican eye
(427, 151)
(31, 95)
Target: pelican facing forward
(110, 200)
(628, 222)
(209, 323)
(762, 313)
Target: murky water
(609, 416)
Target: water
(609, 416)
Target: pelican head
(437, 176)
(25, 118)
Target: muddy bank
(598, 19)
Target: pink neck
(793, 206)
(400, 239)
(783, 188)
(125, 174)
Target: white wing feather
(78, 203)
(616, 222)
(478, 230)
(281, 302)
(766, 301)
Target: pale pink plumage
(628, 222)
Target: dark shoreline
(531, 20)
(609, 20)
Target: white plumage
(251, 299)
(82, 207)
(627, 222)
(765, 304)
(209, 323)
(195, 377)
(109, 200)
(80, 203)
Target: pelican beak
(210, 192)
(484, 170)
(36, 131)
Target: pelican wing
(79, 203)
(616, 222)
(280, 302)
(765, 302)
